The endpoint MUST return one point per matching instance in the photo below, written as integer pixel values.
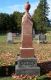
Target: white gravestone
(9, 37)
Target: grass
(2, 39)
(6, 78)
(8, 52)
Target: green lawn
(6, 78)
(2, 38)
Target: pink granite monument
(27, 49)
(26, 62)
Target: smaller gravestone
(9, 37)
(33, 33)
(37, 38)
(42, 38)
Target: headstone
(33, 33)
(9, 37)
(37, 38)
(26, 63)
(42, 38)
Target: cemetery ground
(8, 53)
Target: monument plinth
(26, 62)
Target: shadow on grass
(45, 67)
(6, 71)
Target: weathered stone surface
(42, 38)
(28, 71)
(28, 62)
(27, 66)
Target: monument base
(27, 66)
(26, 52)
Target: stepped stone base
(28, 71)
(27, 66)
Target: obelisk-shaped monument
(26, 63)
(27, 49)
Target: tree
(4, 22)
(10, 22)
(40, 16)
(16, 19)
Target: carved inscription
(27, 63)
